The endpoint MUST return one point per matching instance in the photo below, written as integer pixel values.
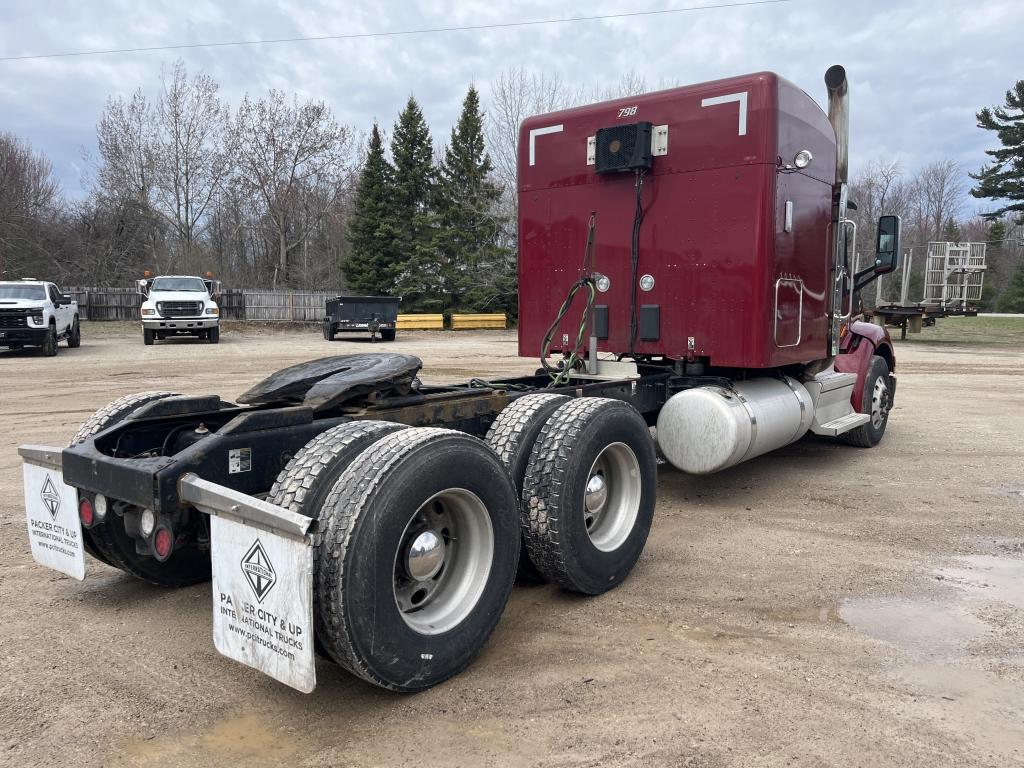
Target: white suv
(176, 305)
(34, 313)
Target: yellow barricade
(465, 322)
(421, 322)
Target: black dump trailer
(375, 314)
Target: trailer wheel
(589, 494)
(512, 436)
(876, 401)
(303, 485)
(103, 418)
(416, 558)
(147, 336)
(387, 334)
(328, 330)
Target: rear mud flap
(262, 582)
(51, 511)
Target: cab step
(842, 425)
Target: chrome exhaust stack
(839, 116)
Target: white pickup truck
(177, 305)
(34, 313)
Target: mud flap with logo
(262, 582)
(51, 510)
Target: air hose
(561, 374)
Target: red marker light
(163, 542)
(86, 513)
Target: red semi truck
(684, 263)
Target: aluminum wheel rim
(610, 521)
(444, 595)
(879, 403)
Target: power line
(394, 33)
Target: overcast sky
(918, 69)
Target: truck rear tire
(589, 494)
(50, 342)
(214, 334)
(148, 336)
(512, 436)
(103, 418)
(188, 565)
(303, 485)
(75, 334)
(387, 334)
(876, 401)
(416, 558)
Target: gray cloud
(919, 69)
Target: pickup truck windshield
(33, 292)
(179, 284)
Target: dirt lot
(822, 605)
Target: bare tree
(515, 95)
(293, 157)
(126, 138)
(192, 156)
(28, 198)
(940, 187)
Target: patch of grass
(971, 331)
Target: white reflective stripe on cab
(54, 530)
(263, 600)
(729, 98)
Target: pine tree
(1012, 299)
(411, 222)
(995, 236)
(370, 269)
(1003, 179)
(951, 232)
(477, 273)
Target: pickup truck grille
(15, 318)
(179, 308)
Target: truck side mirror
(65, 299)
(887, 250)
(143, 287)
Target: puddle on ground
(941, 627)
(949, 647)
(989, 577)
(249, 739)
(924, 629)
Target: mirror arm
(864, 277)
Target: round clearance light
(646, 282)
(100, 505)
(86, 512)
(803, 158)
(603, 283)
(148, 521)
(163, 543)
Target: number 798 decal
(628, 111)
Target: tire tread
(542, 486)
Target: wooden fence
(266, 306)
(261, 306)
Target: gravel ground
(823, 605)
